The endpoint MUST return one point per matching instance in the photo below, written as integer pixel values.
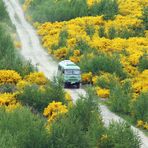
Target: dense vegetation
(63, 10)
(107, 39)
(9, 57)
(36, 112)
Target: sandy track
(33, 51)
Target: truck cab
(70, 73)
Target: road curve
(33, 51)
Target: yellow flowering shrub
(7, 99)
(36, 77)
(68, 98)
(22, 83)
(12, 107)
(95, 79)
(9, 76)
(87, 77)
(102, 92)
(145, 126)
(61, 53)
(26, 4)
(54, 109)
(140, 82)
(140, 123)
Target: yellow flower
(54, 109)
(87, 77)
(104, 137)
(9, 76)
(102, 92)
(145, 126)
(140, 123)
(36, 77)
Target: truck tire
(78, 85)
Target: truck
(70, 73)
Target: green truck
(70, 73)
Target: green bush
(38, 99)
(120, 97)
(143, 62)
(20, 128)
(83, 46)
(103, 62)
(49, 10)
(120, 135)
(90, 30)
(80, 127)
(7, 88)
(9, 58)
(112, 33)
(145, 17)
(3, 13)
(101, 32)
(140, 107)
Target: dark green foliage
(3, 13)
(107, 8)
(81, 127)
(7, 88)
(83, 46)
(90, 30)
(120, 135)
(101, 32)
(141, 107)
(145, 17)
(20, 128)
(143, 62)
(63, 10)
(111, 33)
(50, 10)
(103, 62)
(120, 97)
(38, 99)
(63, 38)
(9, 58)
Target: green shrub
(140, 107)
(112, 33)
(7, 88)
(49, 10)
(38, 99)
(145, 17)
(90, 30)
(3, 13)
(107, 8)
(120, 135)
(9, 58)
(20, 128)
(80, 127)
(83, 46)
(143, 62)
(120, 96)
(103, 62)
(101, 32)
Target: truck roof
(67, 64)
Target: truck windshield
(72, 72)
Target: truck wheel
(65, 85)
(78, 85)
